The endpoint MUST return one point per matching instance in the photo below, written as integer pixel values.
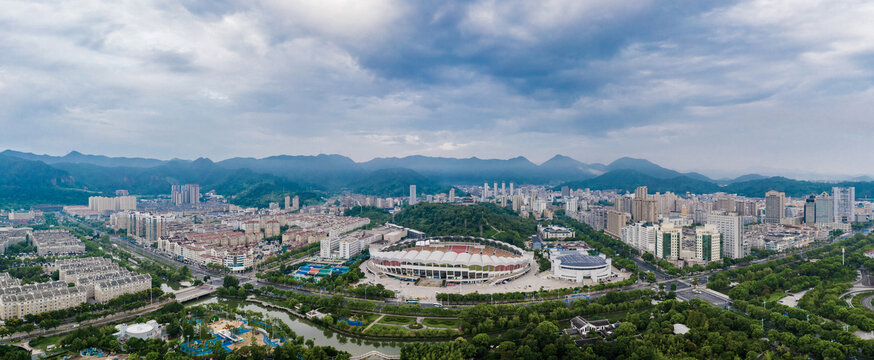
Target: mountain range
(27, 178)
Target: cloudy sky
(721, 87)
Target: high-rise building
(451, 195)
(145, 227)
(810, 210)
(485, 194)
(615, 221)
(511, 189)
(732, 229)
(185, 194)
(495, 190)
(824, 209)
(725, 203)
(565, 192)
(844, 203)
(288, 202)
(413, 195)
(668, 241)
(708, 243)
(295, 203)
(641, 236)
(775, 203)
(643, 209)
(503, 189)
(572, 205)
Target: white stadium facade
(459, 259)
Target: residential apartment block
(57, 242)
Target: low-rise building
(57, 242)
(111, 289)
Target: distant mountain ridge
(253, 181)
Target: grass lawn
(367, 317)
(378, 329)
(397, 320)
(42, 343)
(441, 323)
(773, 297)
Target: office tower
(288, 202)
(810, 210)
(668, 242)
(775, 203)
(511, 189)
(615, 221)
(844, 203)
(295, 203)
(451, 195)
(565, 192)
(708, 243)
(412, 194)
(643, 209)
(732, 229)
(503, 189)
(824, 212)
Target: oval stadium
(459, 259)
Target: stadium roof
(577, 259)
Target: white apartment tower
(732, 229)
(413, 198)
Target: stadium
(458, 259)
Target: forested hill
(628, 180)
(486, 220)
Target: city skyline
(774, 85)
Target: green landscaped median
(397, 320)
(857, 300)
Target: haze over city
(723, 88)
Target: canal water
(320, 336)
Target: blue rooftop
(577, 259)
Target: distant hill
(396, 183)
(628, 180)
(648, 168)
(488, 220)
(24, 183)
(76, 157)
(744, 178)
(468, 171)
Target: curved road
(866, 302)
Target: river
(320, 336)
